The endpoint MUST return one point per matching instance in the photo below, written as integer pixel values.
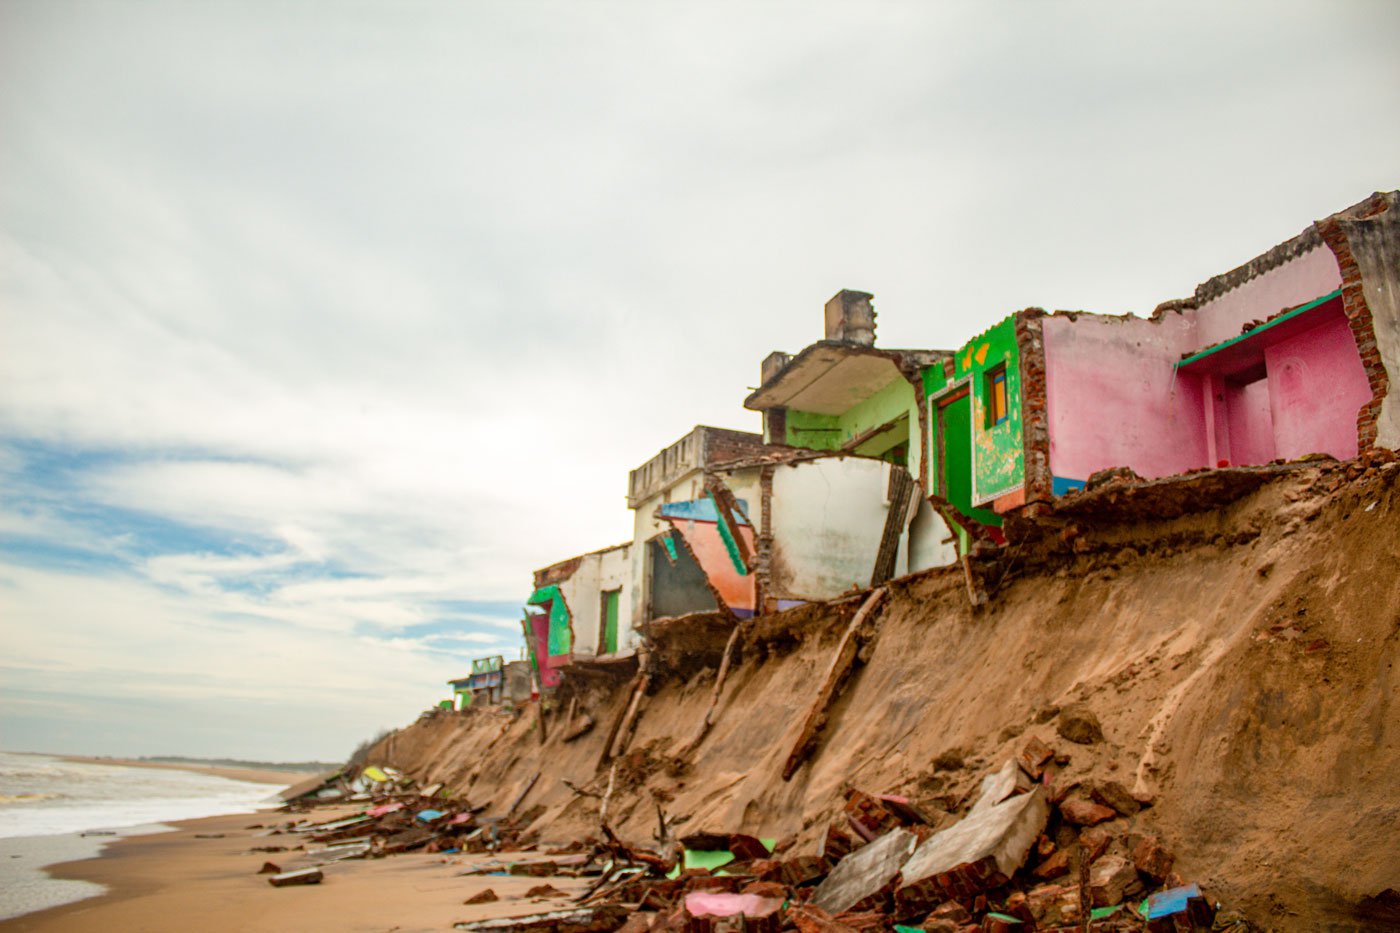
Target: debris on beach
(291, 878)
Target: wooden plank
(616, 727)
(709, 719)
(841, 663)
(629, 722)
(900, 493)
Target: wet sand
(255, 776)
(174, 881)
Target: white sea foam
(47, 803)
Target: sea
(54, 811)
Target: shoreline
(249, 775)
(160, 881)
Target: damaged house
(874, 463)
(1284, 356)
(580, 607)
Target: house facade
(878, 462)
(1284, 356)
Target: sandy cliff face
(1241, 660)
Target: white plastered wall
(828, 519)
(597, 573)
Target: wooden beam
(709, 719)
(629, 721)
(840, 668)
(617, 725)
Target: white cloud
(381, 326)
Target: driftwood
(841, 663)
(709, 719)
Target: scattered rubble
(291, 878)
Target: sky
(322, 325)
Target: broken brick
(1115, 795)
(746, 848)
(1034, 756)
(1111, 879)
(1054, 904)
(1056, 865)
(1085, 812)
(1152, 858)
(808, 918)
(482, 897)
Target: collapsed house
(1282, 357)
(874, 463)
(580, 607)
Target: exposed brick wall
(722, 445)
(1035, 418)
(1339, 232)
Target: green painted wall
(561, 640)
(831, 432)
(813, 431)
(998, 457)
(611, 598)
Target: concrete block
(865, 872)
(981, 852)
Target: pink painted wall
(1313, 274)
(1112, 399)
(713, 558)
(549, 667)
(1316, 386)
(1251, 423)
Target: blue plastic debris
(1166, 903)
(427, 816)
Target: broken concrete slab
(980, 852)
(865, 872)
(290, 878)
(1000, 785)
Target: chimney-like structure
(773, 364)
(850, 318)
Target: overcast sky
(322, 325)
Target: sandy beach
(180, 881)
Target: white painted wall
(583, 592)
(828, 517)
(645, 526)
(929, 540)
